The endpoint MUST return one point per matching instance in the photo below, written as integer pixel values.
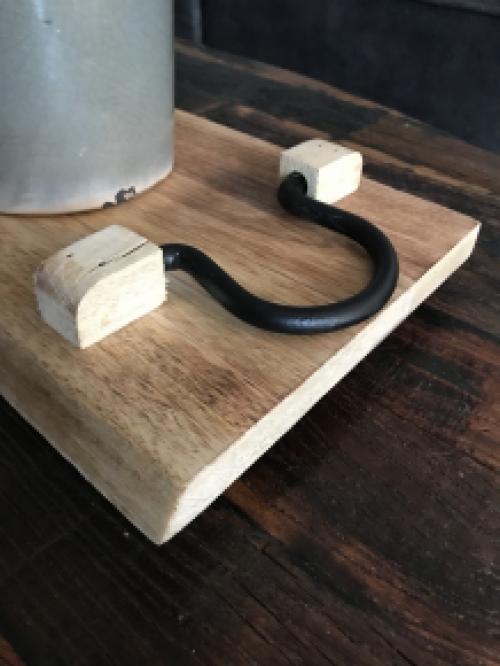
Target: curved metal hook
(291, 319)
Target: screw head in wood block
(100, 284)
(332, 171)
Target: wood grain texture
(99, 284)
(368, 534)
(163, 416)
(286, 108)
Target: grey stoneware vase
(86, 102)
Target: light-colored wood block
(99, 284)
(164, 414)
(332, 171)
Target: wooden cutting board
(162, 416)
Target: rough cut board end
(332, 171)
(100, 284)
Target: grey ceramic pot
(86, 101)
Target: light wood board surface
(162, 416)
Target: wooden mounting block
(163, 415)
(100, 284)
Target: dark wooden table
(369, 535)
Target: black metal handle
(286, 318)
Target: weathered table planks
(166, 413)
(367, 535)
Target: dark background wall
(188, 19)
(436, 60)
